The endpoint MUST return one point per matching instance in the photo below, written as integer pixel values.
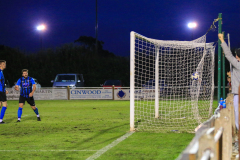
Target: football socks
(2, 113)
(19, 112)
(36, 111)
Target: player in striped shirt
(28, 87)
(3, 91)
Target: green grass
(173, 115)
(77, 129)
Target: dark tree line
(78, 57)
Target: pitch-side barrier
(111, 93)
(214, 138)
(67, 93)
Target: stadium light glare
(41, 27)
(192, 25)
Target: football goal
(171, 83)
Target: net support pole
(132, 61)
(219, 55)
(156, 82)
(224, 74)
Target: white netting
(183, 103)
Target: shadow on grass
(102, 132)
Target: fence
(75, 93)
(122, 93)
(40, 94)
(213, 139)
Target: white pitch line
(94, 156)
(48, 150)
(104, 149)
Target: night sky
(67, 20)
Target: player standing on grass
(28, 87)
(235, 76)
(3, 92)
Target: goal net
(171, 84)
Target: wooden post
(218, 139)
(68, 91)
(225, 121)
(113, 88)
(192, 157)
(219, 149)
(207, 142)
(229, 103)
(234, 129)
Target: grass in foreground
(77, 129)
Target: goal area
(165, 93)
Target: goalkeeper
(235, 77)
(28, 87)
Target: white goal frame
(156, 92)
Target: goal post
(156, 84)
(132, 50)
(163, 96)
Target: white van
(68, 79)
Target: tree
(89, 42)
(68, 58)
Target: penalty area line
(104, 149)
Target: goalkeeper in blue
(27, 88)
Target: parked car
(68, 79)
(150, 84)
(110, 83)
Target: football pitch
(83, 129)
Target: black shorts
(3, 97)
(30, 100)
